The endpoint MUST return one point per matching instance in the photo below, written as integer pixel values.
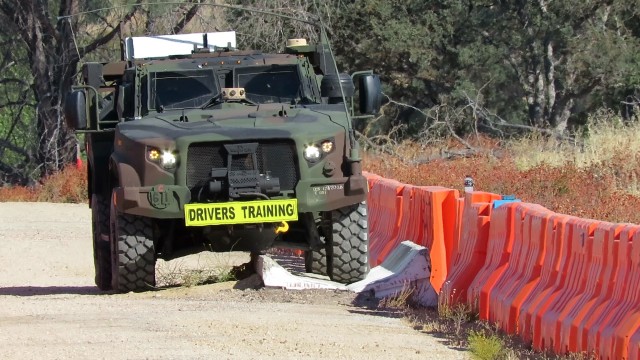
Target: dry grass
(66, 186)
(602, 143)
(401, 300)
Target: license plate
(241, 212)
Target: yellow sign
(241, 212)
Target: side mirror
(75, 110)
(370, 94)
(330, 87)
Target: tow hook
(283, 228)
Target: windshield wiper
(215, 100)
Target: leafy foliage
(538, 63)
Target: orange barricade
(563, 283)
(634, 346)
(371, 179)
(528, 320)
(578, 238)
(457, 231)
(513, 270)
(523, 272)
(410, 218)
(425, 215)
(472, 245)
(438, 220)
(604, 312)
(598, 278)
(499, 246)
(625, 320)
(384, 212)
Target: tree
(44, 32)
(555, 56)
(539, 63)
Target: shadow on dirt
(49, 290)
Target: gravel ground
(51, 309)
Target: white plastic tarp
(145, 47)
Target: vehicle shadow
(49, 290)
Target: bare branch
(103, 40)
(185, 19)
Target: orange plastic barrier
(472, 245)
(533, 305)
(372, 178)
(578, 237)
(563, 283)
(600, 265)
(625, 319)
(634, 346)
(385, 203)
(604, 312)
(439, 209)
(523, 272)
(409, 225)
(499, 246)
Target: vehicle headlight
(312, 153)
(327, 146)
(164, 158)
(168, 160)
(153, 155)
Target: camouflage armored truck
(208, 147)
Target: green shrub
(485, 347)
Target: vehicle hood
(246, 123)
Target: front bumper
(167, 201)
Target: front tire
(315, 261)
(101, 247)
(348, 244)
(134, 258)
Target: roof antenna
(73, 35)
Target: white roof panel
(144, 47)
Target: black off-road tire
(315, 262)
(134, 258)
(101, 247)
(348, 244)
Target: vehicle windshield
(270, 84)
(182, 89)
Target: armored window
(273, 84)
(182, 89)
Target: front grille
(278, 157)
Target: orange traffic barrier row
(560, 282)
(567, 285)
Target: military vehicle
(210, 147)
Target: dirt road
(49, 308)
